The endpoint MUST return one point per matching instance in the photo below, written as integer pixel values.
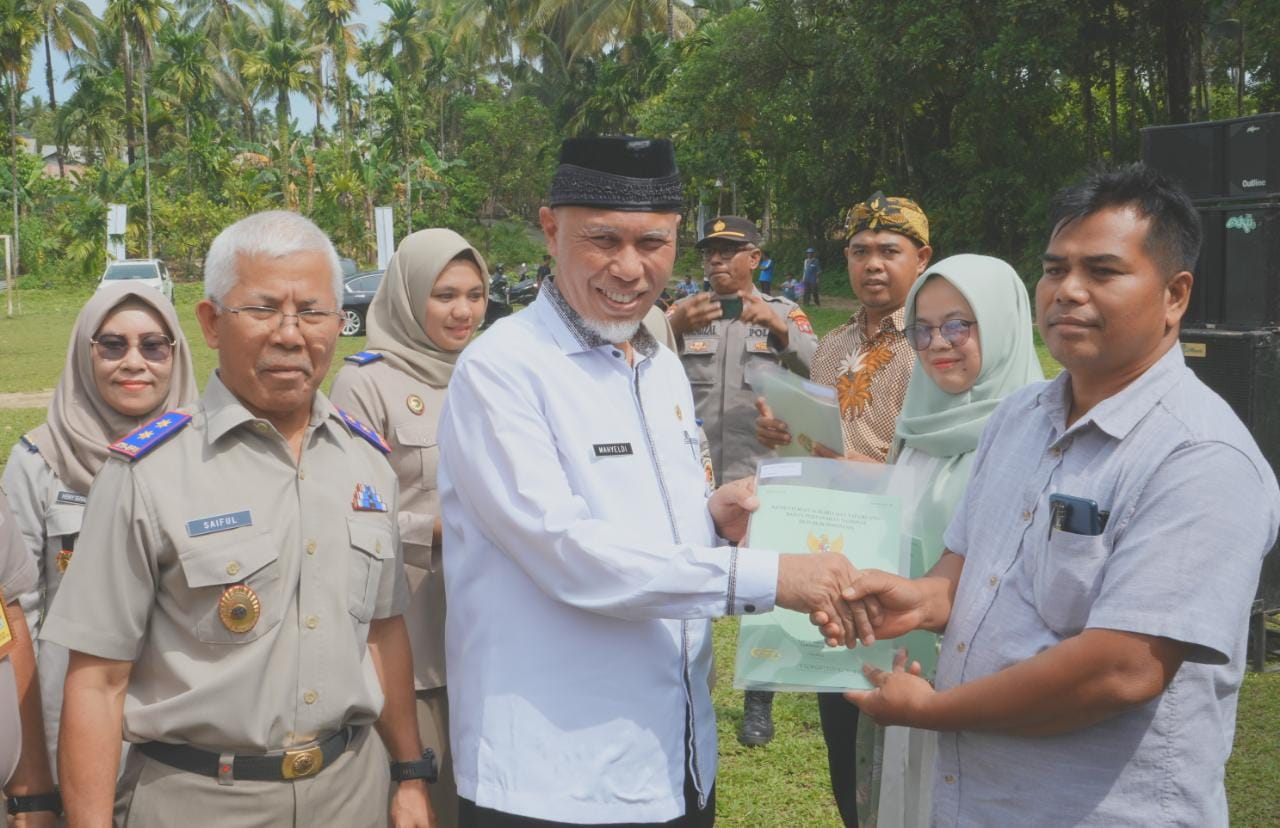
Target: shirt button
(1055, 451)
(311, 547)
(310, 696)
(750, 607)
(302, 474)
(377, 546)
(993, 580)
(233, 568)
(312, 622)
(960, 648)
(1026, 514)
(617, 354)
(949, 779)
(261, 426)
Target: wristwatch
(36, 802)
(424, 768)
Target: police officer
(716, 348)
(236, 601)
(24, 764)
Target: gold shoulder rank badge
(239, 608)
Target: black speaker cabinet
(1214, 160)
(1253, 155)
(1243, 367)
(1191, 154)
(1237, 280)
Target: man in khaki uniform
(24, 765)
(236, 601)
(716, 351)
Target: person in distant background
(766, 273)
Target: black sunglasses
(153, 347)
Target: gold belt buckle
(299, 764)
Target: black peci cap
(618, 172)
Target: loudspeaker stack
(1231, 333)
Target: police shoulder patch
(142, 440)
(374, 438)
(364, 358)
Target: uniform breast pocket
(1067, 579)
(418, 441)
(699, 358)
(372, 554)
(757, 351)
(235, 585)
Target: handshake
(850, 605)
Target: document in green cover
(782, 650)
(810, 410)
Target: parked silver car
(151, 272)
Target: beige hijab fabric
(396, 314)
(73, 439)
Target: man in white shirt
(583, 550)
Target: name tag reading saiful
(218, 523)
(612, 449)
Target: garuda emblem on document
(821, 543)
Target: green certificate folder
(817, 505)
(809, 409)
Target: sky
(369, 12)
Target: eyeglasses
(724, 251)
(274, 317)
(153, 347)
(954, 331)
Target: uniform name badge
(6, 631)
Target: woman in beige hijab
(429, 305)
(127, 363)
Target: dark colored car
(357, 293)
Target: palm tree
(138, 21)
(19, 32)
(329, 24)
(96, 107)
(65, 23)
(278, 59)
(186, 72)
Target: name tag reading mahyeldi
(612, 449)
(218, 523)
(72, 498)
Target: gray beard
(614, 332)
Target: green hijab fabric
(947, 426)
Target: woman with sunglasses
(126, 364)
(429, 305)
(969, 320)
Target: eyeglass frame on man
(144, 344)
(961, 327)
(312, 316)
(726, 250)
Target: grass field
(783, 784)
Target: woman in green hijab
(969, 319)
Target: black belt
(298, 763)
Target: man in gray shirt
(1092, 654)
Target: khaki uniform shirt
(716, 357)
(49, 514)
(405, 411)
(17, 575)
(870, 376)
(222, 502)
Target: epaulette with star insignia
(142, 440)
(364, 358)
(374, 438)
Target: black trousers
(840, 732)
(471, 815)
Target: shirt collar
(1118, 414)
(893, 322)
(569, 331)
(224, 411)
